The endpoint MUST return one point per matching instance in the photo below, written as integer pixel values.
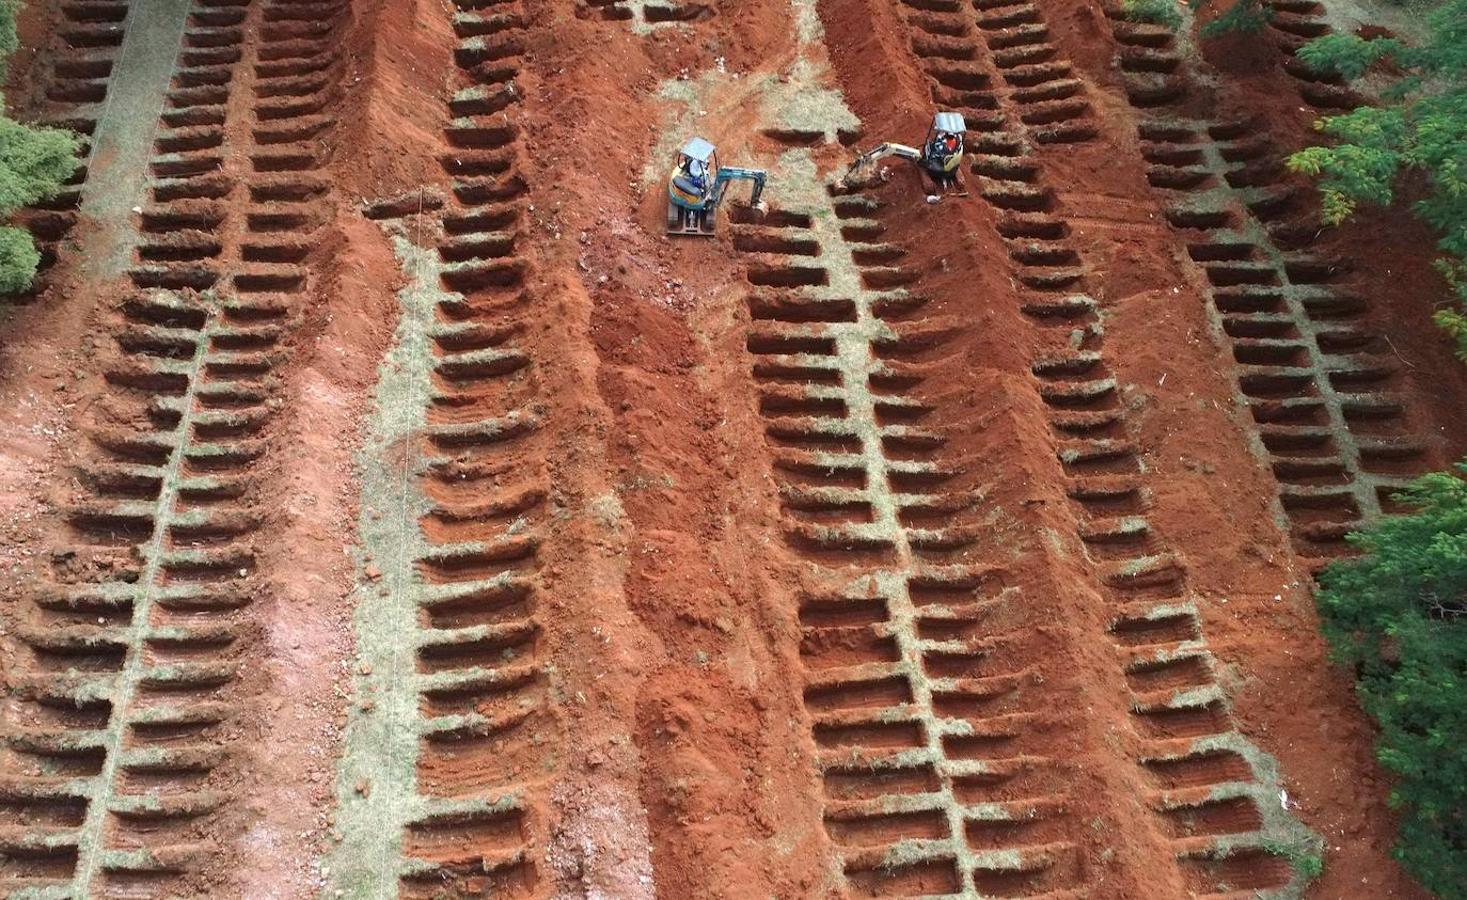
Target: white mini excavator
(940, 156)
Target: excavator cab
(943, 149)
(697, 185)
(690, 181)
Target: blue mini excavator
(696, 187)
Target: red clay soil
(673, 626)
(52, 353)
(308, 619)
(1262, 621)
(658, 614)
(1212, 498)
(38, 371)
(670, 431)
(1001, 423)
(392, 105)
(34, 25)
(1247, 80)
(1053, 626)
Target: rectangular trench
(442, 783)
(138, 658)
(989, 60)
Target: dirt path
(117, 166)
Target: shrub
(1155, 12)
(1242, 15)
(1398, 614)
(34, 164)
(1305, 861)
(18, 259)
(1422, 126)
(1247, 16)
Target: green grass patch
(1154, 12)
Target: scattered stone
(365, 668)
(372, 572)
(364, 787)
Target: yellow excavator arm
(865, 164)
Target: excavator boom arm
(877, 154)
(733, 173)
(865, 164)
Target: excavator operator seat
(690, 185)
(692, 176)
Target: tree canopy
(1421, 125)
(1398, 615)
(34, 164)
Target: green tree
(1398, 614)
(34, 164)
(1154, 12)
(1243, 15)
(1421, 126)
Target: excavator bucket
(865, 168)
(860, 173)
